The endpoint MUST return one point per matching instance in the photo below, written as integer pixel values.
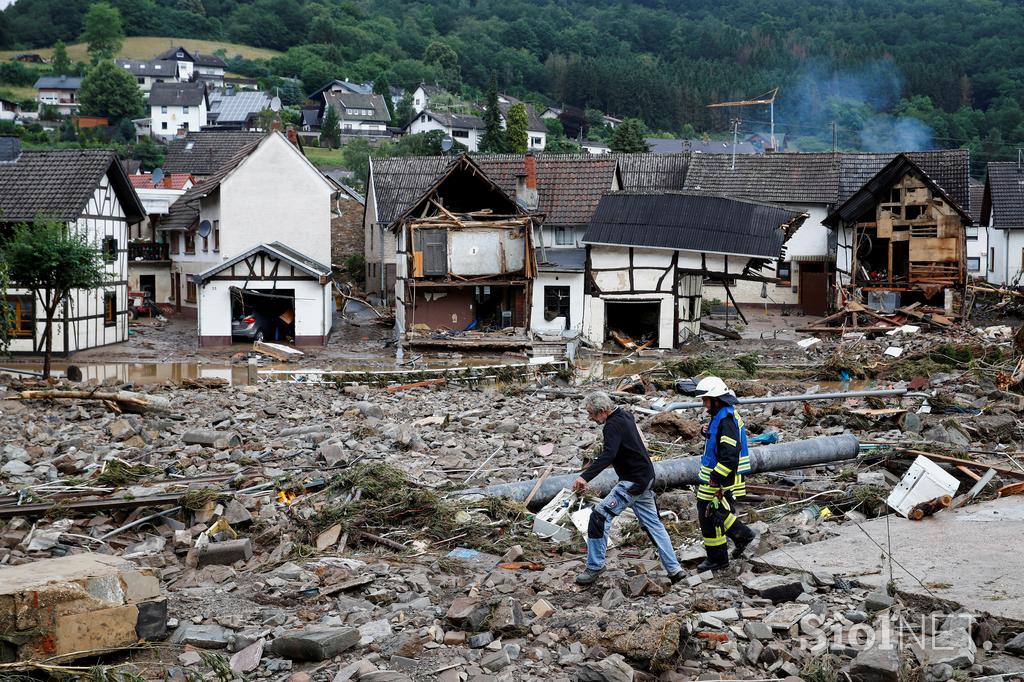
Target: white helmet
(713, 387)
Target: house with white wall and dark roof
(89, 192)
(1002, 218)
(177, 108)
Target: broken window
(974, 263)
(109, 308)
(556, 304)
(785, 273)
(109, 249)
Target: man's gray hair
(598, 401)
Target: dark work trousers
(718, 523)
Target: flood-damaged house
(1002, 218)
(903, 239)
(650, 254)
(254, 241)
(464, 261)
(88, 191)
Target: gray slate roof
(1003, 205)
(181, 216)
(653, 172)
(977, 196)
(562, 260)
(204, 152)
(948, 168)
(177, 94)
(690, 222)
(57, 184)
(399, 181)
(58, 83)
(347, 100)
(156, 68)
(465, 121)
(784, 178)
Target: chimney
(293, 137)
(275, 125)
(526, 184)
(10, 149)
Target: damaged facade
(904, 239)
(464, 257)
(650, 254)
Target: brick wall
(346, 231)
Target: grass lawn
(147, 47)
(17, 92)
(324, 157)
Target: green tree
(628, 137)
(330, 128)
(6, 309)
(355, 156)
(51, 262)
(383, 88)
(103, 31)
(149, 154)
(60, 63)
(494, 137)
(442, 56)
(108, 90)
(404, 111)
(517, 138)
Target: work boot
(588, 576)
(709, 565)
(677, 576)
(742, 544)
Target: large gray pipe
(879, 393)
(672, 473)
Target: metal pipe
(880, 393)
(673, 473)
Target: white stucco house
(268, 193)
(177, 108)
(195, 66)
(1002, 220)
(88, 191)
(146, 73)
(60, 92)
(422, 94)
(536, 129)
(465, 129)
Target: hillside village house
(89, 192)
(195, 66)
(421, 97)
(1002, 217)
(60, 92)
(536, 130)
(9, 110)
(268, 204)
(977, 235)
(649, 254)
(149, 260)
(465, 129)
(177, 108)
(202, 153)
(361, 113)
(146, 73)
(239, 109)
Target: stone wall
(346, 231)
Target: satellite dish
(275, 104)
(447, 142)
(205, 228)
(158, 175)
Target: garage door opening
(263, 314)
(637, 321)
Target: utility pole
(834, 137)
(735, 138)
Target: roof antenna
(735, 135)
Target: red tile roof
(170, 181)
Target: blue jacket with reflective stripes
(726, 456)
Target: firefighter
(722, 468)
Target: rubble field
(313, 531)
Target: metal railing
(147, 251)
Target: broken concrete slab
(876, 664)
(75, 603)
(315, 644)
(987, 540)
(778, 588)
(950, 647)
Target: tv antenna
(761, 100)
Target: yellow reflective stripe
(728, 441)
(715, 541)
(729, 520)
(707, 497)
(722, 469)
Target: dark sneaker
(708, 565)
(588, 576)
(742, 545)
(677, 576)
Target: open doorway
(637, 321)
(263, 314)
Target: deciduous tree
(60, 63)
(108, 90)
(47, 259)
(628, 137)
(103, 31)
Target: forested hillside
(874, 67)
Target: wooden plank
(933, 249)
(277, 351)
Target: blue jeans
(645, 506)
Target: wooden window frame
(110, 246)
(216, 236)
(172, 243)
(190, 244)
(109, 308)
(18, 303)
(191, 292)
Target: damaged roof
(781, 178)
(685, 221)
(653, 172)
(1003, 203)
(399, 181)
(878, 186)
(204, 152)
(58, 184)
(947, 168)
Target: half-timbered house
(89, 192)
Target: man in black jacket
(625, 451)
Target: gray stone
(943, 672)
(508, 615)
(876, 664)
(403, 663)
(16, 468)
(613, 598)
(315, 644)
(786, 616)
(953, 647)
(224, 553)
(729, 615)
(499, 660)
(909, 422)
(753, 651)
(856, 616)
(778, 588)
(202, 636)
(1016, 645)
(878, 600)
(611, 669)
(480, 640)
(756, 630)
(152, 622)
(333, 453)
(384, 676)
(374, 630)
(248, 659)
(121, 429)
(370, 410)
